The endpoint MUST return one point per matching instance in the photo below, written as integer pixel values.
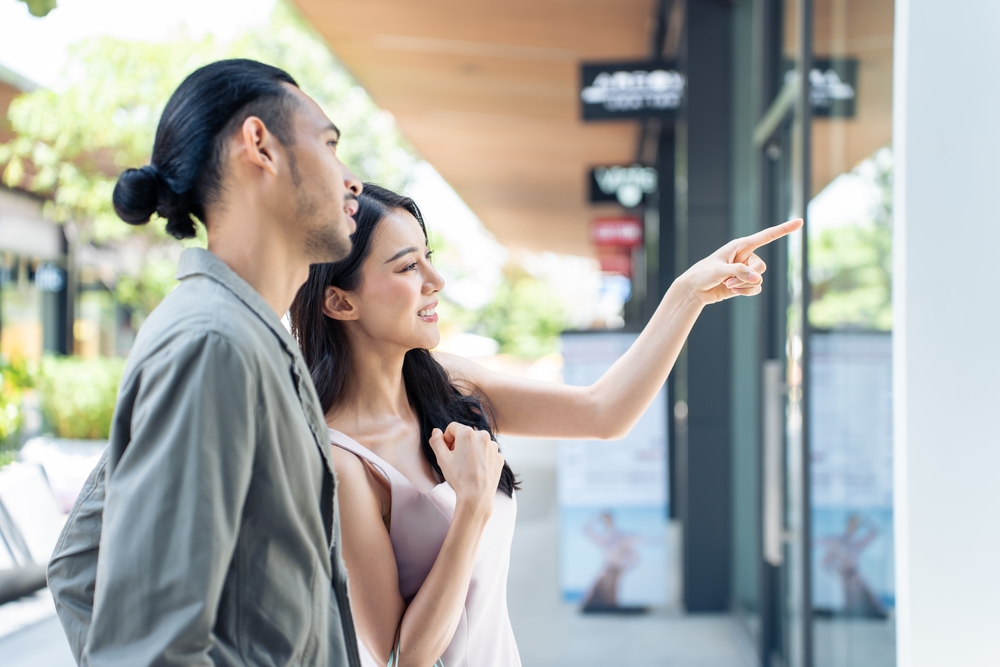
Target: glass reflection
(850, 317)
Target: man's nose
(351, 182)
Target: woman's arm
(610, 407)
(472, 466)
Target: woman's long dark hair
(435, 399)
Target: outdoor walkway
(549, 633)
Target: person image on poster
(842, 555)
(619, 550)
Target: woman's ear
(337, 305)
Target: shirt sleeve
(73, 566)
(174, 500)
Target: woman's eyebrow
(404, 251)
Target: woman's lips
(428, 314)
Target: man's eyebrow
(333, 127)
(404, 251)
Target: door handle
(773, 505)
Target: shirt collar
(198, 261)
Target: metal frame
(790, 105)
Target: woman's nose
(435, 282)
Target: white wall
(24, 230)
(946, 134)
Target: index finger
(765, 236)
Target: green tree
(525, 317)
(70, 145)
(40, 7)
(850, 266)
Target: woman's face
(397, 298)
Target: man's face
(325, 190)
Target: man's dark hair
(185, 173)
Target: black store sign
(833, 87)
(627, 185)
(634, 89)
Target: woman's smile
(428, 314)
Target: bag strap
(394, 655)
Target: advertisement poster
(851, 441)
(612, 498)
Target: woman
(427, 502)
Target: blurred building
(783, 452)
(33, 285)
(53, 297)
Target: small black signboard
(833, 87)
(627, 185)
(634, 89)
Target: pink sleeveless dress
(417, 530)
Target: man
(209, 533)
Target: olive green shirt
(209, 533)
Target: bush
(78, 395)
(525, 317)
(15, 378)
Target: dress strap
(345, 442)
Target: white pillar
(946, 134)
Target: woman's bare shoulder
(358, 484)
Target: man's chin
(329, 247)
(342, 250)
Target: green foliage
(850, 266)
(854, 289)
(7, 456)
(141, 293)
(71, 144)
(40, 7)
(525, 317)
(78, 395)
(15, 377)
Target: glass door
(825, 154)
(782, 140)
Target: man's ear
(258, 144)
(337, 305)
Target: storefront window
(850, 318)
(21, 335)
(95, 329)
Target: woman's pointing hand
(734, 269)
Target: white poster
(851, 471)
(612, 497)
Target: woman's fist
(471, 462)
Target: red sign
(621, 232)
(615, 259)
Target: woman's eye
(410, 267)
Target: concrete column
(946, 134)
(706, 490)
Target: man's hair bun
(137, 195)
(185, 174)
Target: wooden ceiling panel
(487, 93)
